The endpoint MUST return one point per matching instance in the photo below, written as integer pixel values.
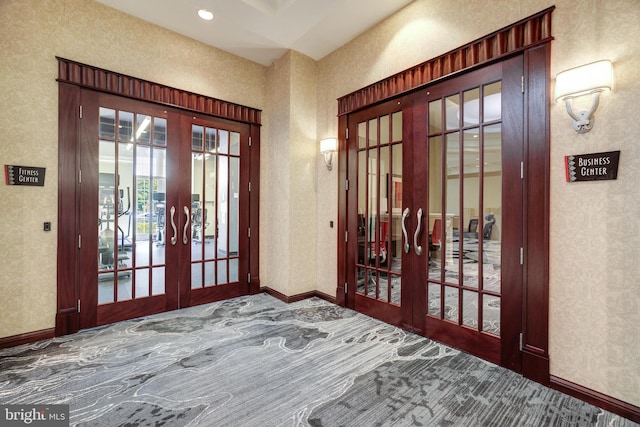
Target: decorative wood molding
(510, 40)
(27, 338)
(596, 398)
(95, 78)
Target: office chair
(488, 226)
(379, 248)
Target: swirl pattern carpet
(255, 361)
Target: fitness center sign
(24, 175)
(592, 167)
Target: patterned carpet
(255, 361)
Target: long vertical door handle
(174, 239)
(416, 235)
(185, 236)
(407, 246)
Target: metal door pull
(174, 239)
(407, 246)
(185, 236)
(418, 248)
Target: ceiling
(263, 30)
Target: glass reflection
(396, 119)
(210, 273)
(469, 219)
(362, 135)
(492, 208)
(451, 303)
(210, 140)
(222, 272)
(471, 107)
(435, 116)
(492, 102)
(197, 178)
(159, 131)
(233, 269)
(196, 276)
(107, 125)
(123, 209)
(433, 299)
(452, 209)
(223, 136)
(452, 112)
(197, 137)
(106, 221)
(125, 126)
(234, 143)
(470, 308)
(143, 128)
(491, 314)
(223, 205)
(234, 204)
(158, 285)
(373, 132)
(384, 130)
(205, 220)
(142, 283)
(435, 207)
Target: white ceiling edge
(263, 30)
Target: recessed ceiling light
(205, 14)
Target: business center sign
(592, 167)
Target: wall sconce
(328, 146)
(589, 79)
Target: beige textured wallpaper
(302, 179)
(595, 239)
(274, 179)
(288, 190)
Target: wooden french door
(467, 257)
(376, 202)
(160, 209)
(436, 202)
(215, 261)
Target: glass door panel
(131, 206)
(215, 212)
(378, 207)
(465, 205)
(164, 210)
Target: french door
(160, 209)
(467, 255)
(377, 203)
(438, 211)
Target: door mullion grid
(481, 208)
(443, 204)
(367, 243)
(203, 184)
(460, 206)
(378, 235)
(389, 185)
(115, 225)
